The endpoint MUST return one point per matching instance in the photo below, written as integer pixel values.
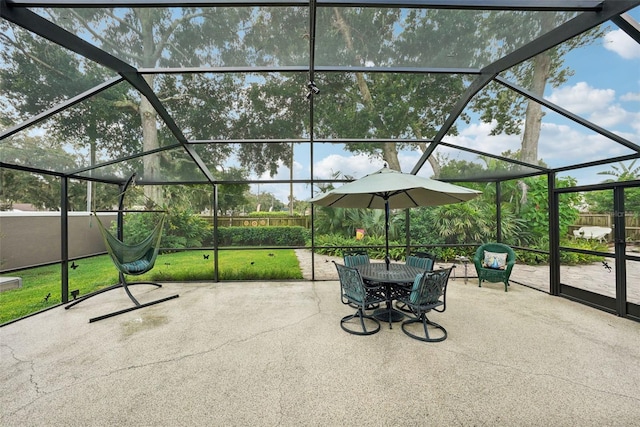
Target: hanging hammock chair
(133, 259)
(130, 259)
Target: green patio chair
(423, 260)
(354, 293)
(494, 263)
(428, 293)
(354, 258)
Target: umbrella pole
(386, 231)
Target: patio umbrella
(389, 189)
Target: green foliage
(602, 201)
(575, 258)
(599, 201)
(42, 190)
(566, 258)
(463, 223)
(531, 258)
(623, 172)
(262, 236)
(347, 221)
(231, 197)
(183, 228)
(535, 212)
(447, 254)
(504, 108)
(337, 244)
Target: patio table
(397, 276)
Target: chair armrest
(509, 267)
(477, 261)
(373, 286)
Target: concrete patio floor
(273, 354)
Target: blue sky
(604, 89)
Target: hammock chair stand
(125, 285)
(143, 261)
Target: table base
(388, 315)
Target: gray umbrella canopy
(399, 190)
(389, 189)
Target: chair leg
(100, 291)
(403, 307)
(126, 310)
(124, 285)
(361, 316)
(425, 324)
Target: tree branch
(166, 34)
(105, 42)
(127, 104)
(29, 55)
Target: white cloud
(477, 136)
(630, 97)
(408, 159)
(611, 116)
(356, 166)
(619, 42)
(600, 107)
(561, 145)
(582, 99)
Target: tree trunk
(533, 117)
(148, 115)
(389, 149)
(433, 161)
(390, 155)
(533, 122)
(151, 162)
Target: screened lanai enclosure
(232, 115)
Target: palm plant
(623, 172)
(602, 201)
(463, 223)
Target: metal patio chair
(428, 293)
(355, 293)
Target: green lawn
(41, 285)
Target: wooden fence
(631, 220)
(245, 221)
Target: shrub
(182, 228)
(566, 257)
(337, 244)
(575, 258)
(262, 236)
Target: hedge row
(262, 236)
